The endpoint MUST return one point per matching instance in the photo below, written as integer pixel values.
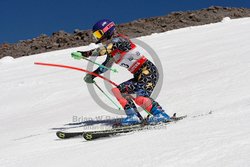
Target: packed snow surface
(206, 76)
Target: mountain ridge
(141, 27)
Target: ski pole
(100, 65)
(107, 95)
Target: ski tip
(60, 134)
(87, 136)
(175, 118)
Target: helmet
(103, 29)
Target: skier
(119, 49)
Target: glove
(89, 78)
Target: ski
(67, 135)
(91, 135)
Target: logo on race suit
(124, 65)
(138, 53)
(130, 58)
(135, 66)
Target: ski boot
(131, 119)
(159, 115)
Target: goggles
(98, 34)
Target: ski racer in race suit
(120, 50)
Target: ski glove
(89, 78)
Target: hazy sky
(25, 19)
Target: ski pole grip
(77, 55)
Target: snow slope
(206, 68)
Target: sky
(26, 19)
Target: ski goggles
(98, 34)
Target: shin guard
(144, 102)
(119, 97)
